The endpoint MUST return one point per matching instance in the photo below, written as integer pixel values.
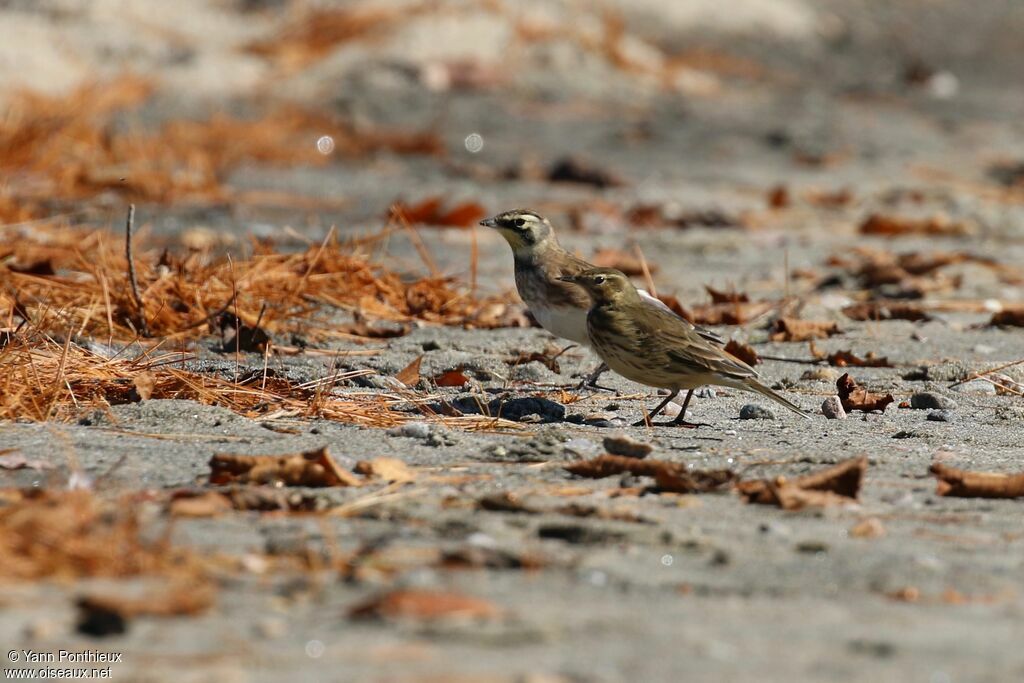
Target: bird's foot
(688, 425)
(684, 424)
(592, 384)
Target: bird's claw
(588, 384)
(684, 424)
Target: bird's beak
(489, 223)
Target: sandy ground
(679, 587)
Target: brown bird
(659, 349)
(541, 263)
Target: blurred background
(283, 117)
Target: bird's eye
(519, 222)
(599, 280)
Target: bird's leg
(680, 420)
(646, 421)
(590, 381)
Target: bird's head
(525, 231)
(604, 285)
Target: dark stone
(927, 400)
(752, 411)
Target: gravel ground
(650, 586)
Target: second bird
(659, 349)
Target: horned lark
(652, 347)
(559, 306)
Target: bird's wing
(686, 347)
(658, 303)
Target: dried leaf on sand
(628, 263)
(451, 378)
(312, 468)
(855, 397)
(426, 606)
(745, 352)
(669, 476)
(842, 359)
(431, 211)
(575, 170)
(387, 469)
(886, 310)
(883, 224)
(76, 534)
(183, 599)
(791, 329)
(1009, 317)
(410, 374)
(836, 485)
(723, 297)
(968, 484)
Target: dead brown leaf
(390, 470)
(836, 485)
(431, 211)
(737, 313)
(968, 484)
(745, 352)
(410, 374)
(834, 199)
(451, 378)
(791, 329)
(11, 460)
(313, 36)
(145, 383)
(76, 534)
(886, 310)
(668, 476)
(618, 259)
(871, 527)
(505, 501)
(1008, 317)
(722, 297)
(173, 601)
(574, 170)
(312, 468)
(426, 606)
(880, 224)
(855, 397)
(779, 197)
(842, 359)
(548, 360)
(207, 504)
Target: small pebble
(414, 430)
(832, 408)
(705, 392)
(752, 411)
(672, 409)
(621, 444)
(774, 528)
(871, 527)
(582, 448)
(927, 400)
(976, 386)
(812, 547)
(827, 374)
(940, 416)
(270, 628)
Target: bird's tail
(755, 386)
